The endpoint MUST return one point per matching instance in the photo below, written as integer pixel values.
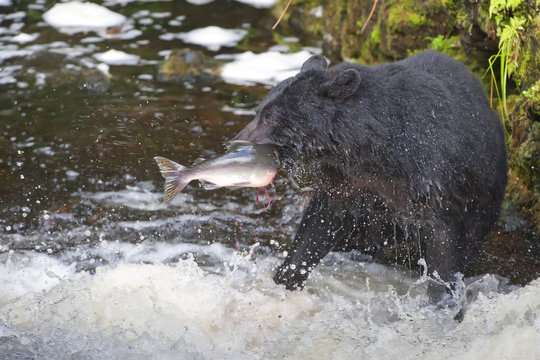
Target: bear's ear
(343, 86)
(316, 62)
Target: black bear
(398, 151)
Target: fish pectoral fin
(208, 185)
(198, 161)
(241, 184)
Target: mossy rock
(524, 147)
(528, 72)
(475, 27)
(525, 200)
(406, 25)
(396, 29)
(524, 153)
(93, 80)
(187, 65)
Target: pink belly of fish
(256, 179)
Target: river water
(93, 263)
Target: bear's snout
(255, 134)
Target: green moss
(528, 70)
(447, 45)
(524, 199)
(527, 157)
(401, 19)
(524, 152)
(185, 65)
(375, 36)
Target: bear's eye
(267, 118)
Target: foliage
(442, 43)
(510, 17)
(497, 8)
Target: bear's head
(302, 116)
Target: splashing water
(232, 309)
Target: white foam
(266, 68)
(12, 52)
(348, 310)
(117, 57)
(126, 34)
(16, 27)
(5, 2)
(73, 51)
(161, 15)
(238, 111)
(91, 39)
(23, 38)
(16, 16)
(6, 73)
(259, 3)
(199, 2)
(125, 2)
(213, 37)
(72, 174)
(134, 197)
(104, 68)
(75, 16)
(45, 150)
(32, 273)
(157, 252)
(6, 79)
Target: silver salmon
(245, 165)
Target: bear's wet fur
(408, 150)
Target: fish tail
(175, 180)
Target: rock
(93, 80)
(187, 65)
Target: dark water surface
(62, 142)
(83, 227)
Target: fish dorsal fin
(198, 161)
(175, 178)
